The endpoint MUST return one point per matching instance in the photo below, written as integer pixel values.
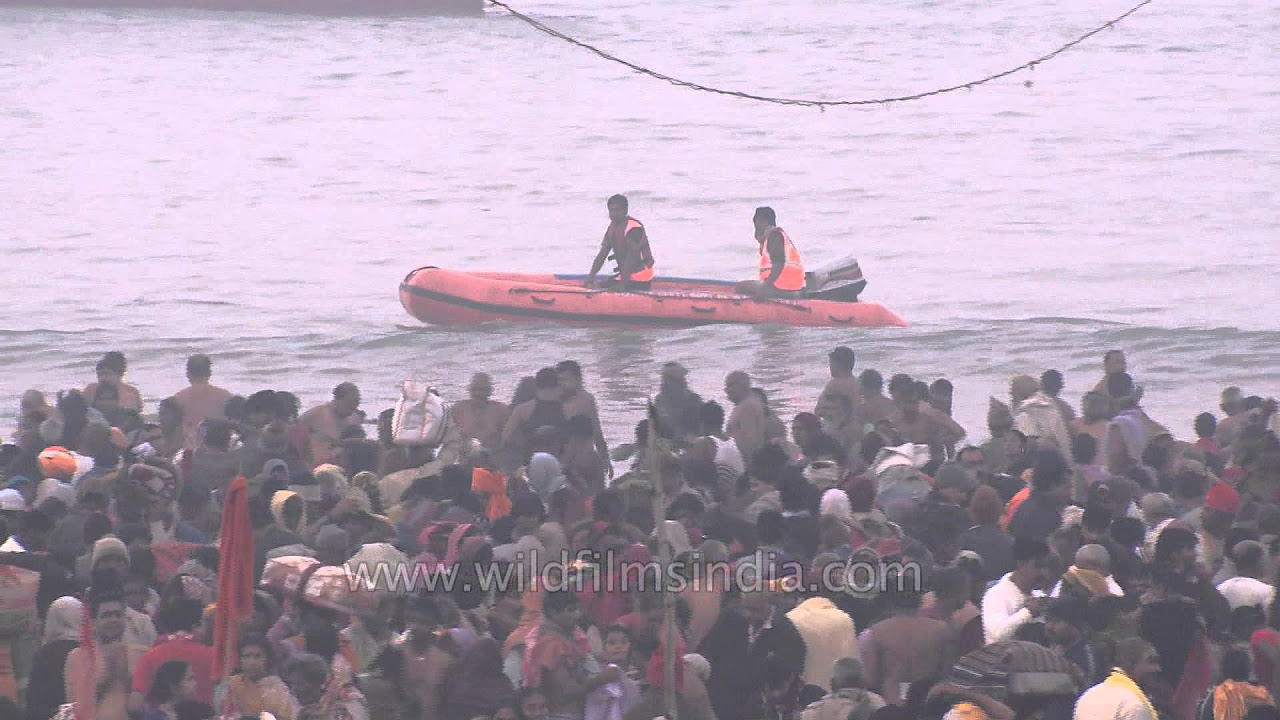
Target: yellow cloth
(965, 711)
(1118, 679)
(278, 499)
(1232, 700)
(1091, 580)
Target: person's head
(848, 673)
(174, 682)
(346, 399)
(1067, 618)
(1030, 563)
(841, 361)
(1095, 524)
(110, 554)
(256, 657)
(1221, 506)
(170, 415)
(763, 219)
(804, 428)
(1050, 475)
(481, 387)
(673, 377)
(737, 386)
(1206, 425)
(107, 399)
(1232, 401)
(111, 368)
(1113, 362)
(562, 608)
(1175, 551)
(1051, 382)
(617, 644)
(940, 394)
(985, 506)
(1095, 558)
(1247, 556)
(903, 391)
(1236, 666)
(423, 616)
(183, 614)
(107, 611)
(1120, 388)
(1084, 449)
(952, 587)
(1095, 407)
(970, 458)
(547, 384)
(569, 375)
(306, 676)
(710, 418)
(1137, 658)
(618, 208)
(533, 703)
(871, 382)
(199, 369)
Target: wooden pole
(664, 562)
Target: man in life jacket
(781, 271)
(626, 240)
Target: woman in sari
(256, 688)
(47, 690)
(558, 658)
(1235, 696)
(320, 695)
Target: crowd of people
(1071, 564)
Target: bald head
(737, 386)
(1022, 387)
(848, 673)
(1247, 555)
(1095, 558)
(1131, 652)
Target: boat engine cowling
(838, 281)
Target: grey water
(255, 186)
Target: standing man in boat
(625, 238)
(781, 271)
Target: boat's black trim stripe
(551, 314)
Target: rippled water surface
(255, 186)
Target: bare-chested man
(917, 421)
(200, 401)
(874, 406)
(842, 384)
(480, 417)
(326, 422)
(110, 370)
(1113, 362)
(577, 401)
(748, 420)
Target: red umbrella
(235, 577)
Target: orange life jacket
(792, 277)
(619, 241)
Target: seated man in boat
(781, 271)
(626, 240)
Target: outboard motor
(839, 281)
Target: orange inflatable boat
(452, 297)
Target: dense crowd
(875, 565)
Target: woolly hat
(331, 479)
(106, 547)
(57, 462)
(51, 488)
(12, 501)
(1223, 498)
